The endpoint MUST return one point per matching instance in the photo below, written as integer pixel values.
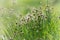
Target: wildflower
(40, 12)
(41, 15)
(34, 14)
(30, 15)
(34, 10)
(28, 19)
(47, 8)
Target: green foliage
(35, 22)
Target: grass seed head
(34, 10)
(34, 14)
(40, 12)
(47, 8)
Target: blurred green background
(10, 11)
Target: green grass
(20, 21)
